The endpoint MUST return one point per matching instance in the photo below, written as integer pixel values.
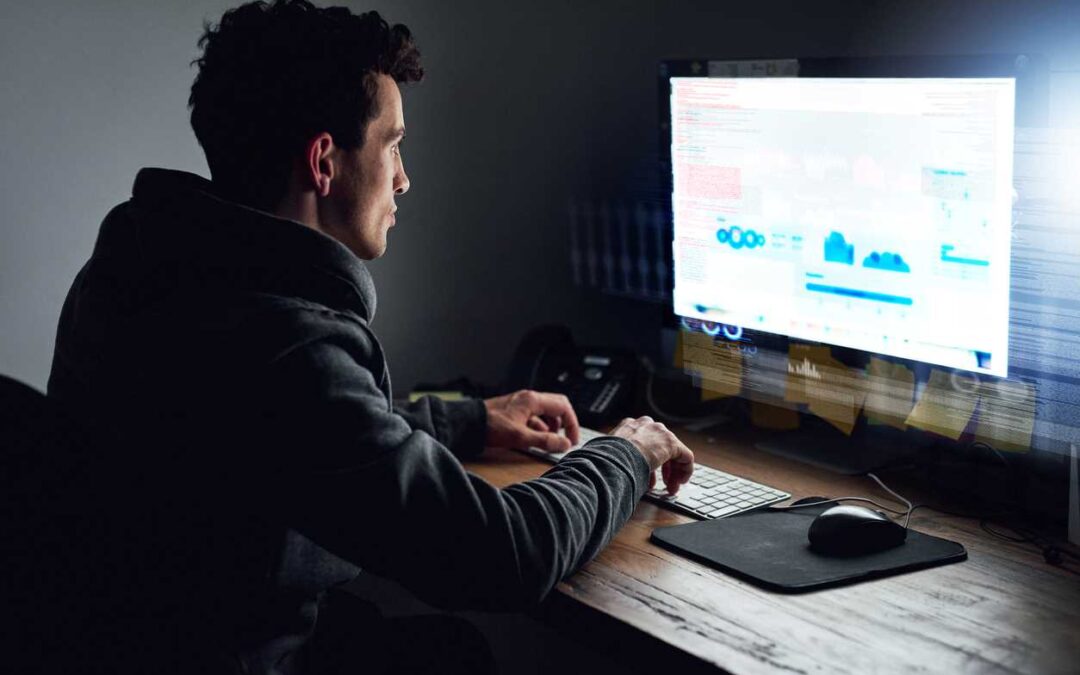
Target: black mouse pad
(769, 548)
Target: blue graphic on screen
(838, 250)
(737, 238)
(859, 293)
(946, 256)
(891, 262)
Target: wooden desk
(1004, 610)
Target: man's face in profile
(360, 207)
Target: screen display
(870, 213)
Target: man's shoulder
(309, 347)
(286, 322)
(304, 313)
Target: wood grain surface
(1004, 610)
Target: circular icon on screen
(738, 238)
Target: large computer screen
(870, 213)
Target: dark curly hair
(273, 75)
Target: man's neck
(299, 206)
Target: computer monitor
(869, 213)
(847, 241)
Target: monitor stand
(869, 449)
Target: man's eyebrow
(397, 134)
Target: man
(221, 332)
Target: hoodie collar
(181, 220)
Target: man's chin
(363, 247)
(369, 250)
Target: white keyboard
(711, 493)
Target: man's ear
(319, 167)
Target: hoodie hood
(176, 226)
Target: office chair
(52, 536)
(71, 540)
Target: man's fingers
(537, 424)
(545, 440)
(674, 479)
(557, 405)
(670, 481)
(677, 471)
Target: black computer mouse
(845, 530)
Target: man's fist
(661, 450)
(531, 419)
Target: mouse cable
(984, 517)
(906, 514)
(910, 508)
(835, 500)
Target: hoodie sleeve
(459, 425)
(364, 484)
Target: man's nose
(401, 183)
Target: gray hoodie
(255, 457)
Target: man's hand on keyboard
(661, 449)
(531, 419)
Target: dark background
(526, 107)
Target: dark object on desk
(846, 530)
(599, 381)
(769, 549)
